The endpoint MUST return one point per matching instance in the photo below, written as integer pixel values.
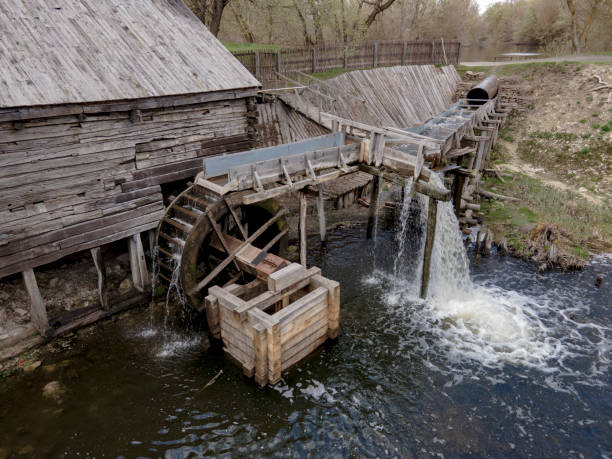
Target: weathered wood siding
(278, 124)
(69, 183)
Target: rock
(542, 268)
(29, 368)
(54, 391)
(50, 368)
(125, 286)
(598, 280)
(53, 282)
(20, 311)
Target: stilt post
(321, 212)
(138, 264)
(302, 225)
(96, 254)
(373, 205)
(429, 241)
(37, 306)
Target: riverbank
(555, 158)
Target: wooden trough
(267, 327)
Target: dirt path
(573, 58)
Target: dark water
(403, 379)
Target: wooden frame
(271, 332)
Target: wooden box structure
(268, 328)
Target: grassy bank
(556, 159)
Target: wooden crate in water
(269, 327)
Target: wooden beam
(321, 213)
(138, 263)
(204, 282)
(302, 226)
(37, 306)
(429, 241)
(236, 219)
(373, 204)
(96, 254)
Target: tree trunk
(587, 25)
(575, 40)
(243, 24)
(302, 18)
(216, 14)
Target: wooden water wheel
(201, 235)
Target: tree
(210, 12)
(579, 38)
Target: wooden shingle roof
(74, 51)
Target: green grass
(243, 47)
(333, 73)
(583, 121)
(585, 224)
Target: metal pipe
(485, 90)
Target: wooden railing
(266, 65)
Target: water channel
(500, 361)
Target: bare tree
(210, 12)
(378, 6)
(579, 38)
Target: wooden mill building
(101, 103)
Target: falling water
(472, 321)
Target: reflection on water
(517, 366)
(489, 51)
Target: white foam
(175, 344)
(485, 323)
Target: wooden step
(202, 203)
(186, 212)
(171, 239)
(177, 225)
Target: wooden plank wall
(70, 183)
(278, 124)
(392, 96)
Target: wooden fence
(267, 65)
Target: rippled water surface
(515, 365)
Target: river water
(500, 361)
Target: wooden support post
(151, 235)
(138, 265)
(211, 303)
(302, 227)
(314, 60)
(345, 63)
(257, 65)
(274, 353)
(458, 192)
(429, 241)
(278, 61)
(333, 303)
(375, 56)
(38, 311)
(373, 205)
(404, 49)
(321, 213)
(260, 343)
(96, 254)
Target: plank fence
(266, 65)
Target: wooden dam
(180, 152)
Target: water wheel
(189, 255)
